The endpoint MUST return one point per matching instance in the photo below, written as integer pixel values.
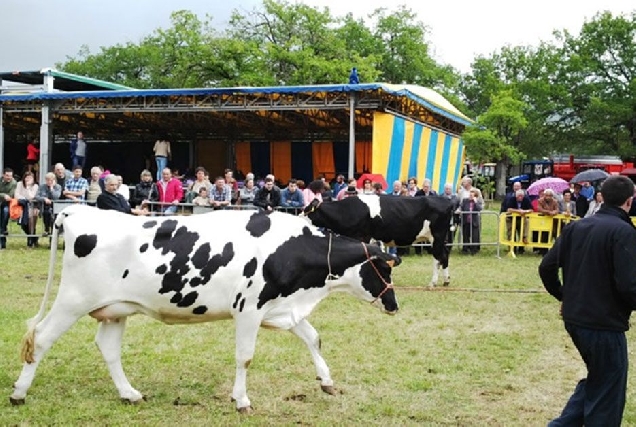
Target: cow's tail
(28, 341)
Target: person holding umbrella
(587, 190)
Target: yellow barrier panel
(531, 230)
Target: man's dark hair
(292, 181)
(77, 167)
(617, 189)
(316, 186)
(567, 191)
(268, 179)
(7, 170)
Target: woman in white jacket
(595, 204)
(26, 192)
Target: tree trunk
(500, 189)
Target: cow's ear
(394, 261)
(391, 260)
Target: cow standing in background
(261, 269)
(396, 221)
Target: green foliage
(277, 43)
(579, 89)
(496, 135)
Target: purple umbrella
(551, 182)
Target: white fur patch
(425, 232)
(373, 202)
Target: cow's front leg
(310, 337)
(108, 339)
(246, 332)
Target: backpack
(15, 209)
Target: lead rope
(330, 276)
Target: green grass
(463, 358)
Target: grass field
(496, 355)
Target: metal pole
(45, 134)
(1, 139)
(46, 131)
(352, 135)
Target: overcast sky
(35, 34)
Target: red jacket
(33, 152)
(174, 191)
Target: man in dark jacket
(268, 197)
(112, 200)
(598, 259)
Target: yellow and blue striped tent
(403, 149)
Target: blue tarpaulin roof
(424, 96)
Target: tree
(299, 44)
(175, 57)
(405, 52)
(496, 135)
(599, 108)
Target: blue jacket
(294, 199)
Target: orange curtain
(363, 157)
(280, 156)
(243, 159)
(322, 159)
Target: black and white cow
(262, 270)
(396, 221)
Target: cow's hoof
(245, 410)
(130, 401)
(431, 285)
(17, 402)
(446, 283)
(328, 389)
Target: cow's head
(377, 284)
(310, 209)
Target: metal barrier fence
(534, 230)
(160, 208)
(512, 230)
(33, 211)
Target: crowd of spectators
(169, 192)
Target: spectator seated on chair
(202, 199)
(110, 199)
(48, 193)
(291, 197)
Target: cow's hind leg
(108, 339)
(309, 335)
(37, 342)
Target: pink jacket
(174, 191)
(309, 195)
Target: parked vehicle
(566, 166)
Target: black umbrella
(590, 175)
